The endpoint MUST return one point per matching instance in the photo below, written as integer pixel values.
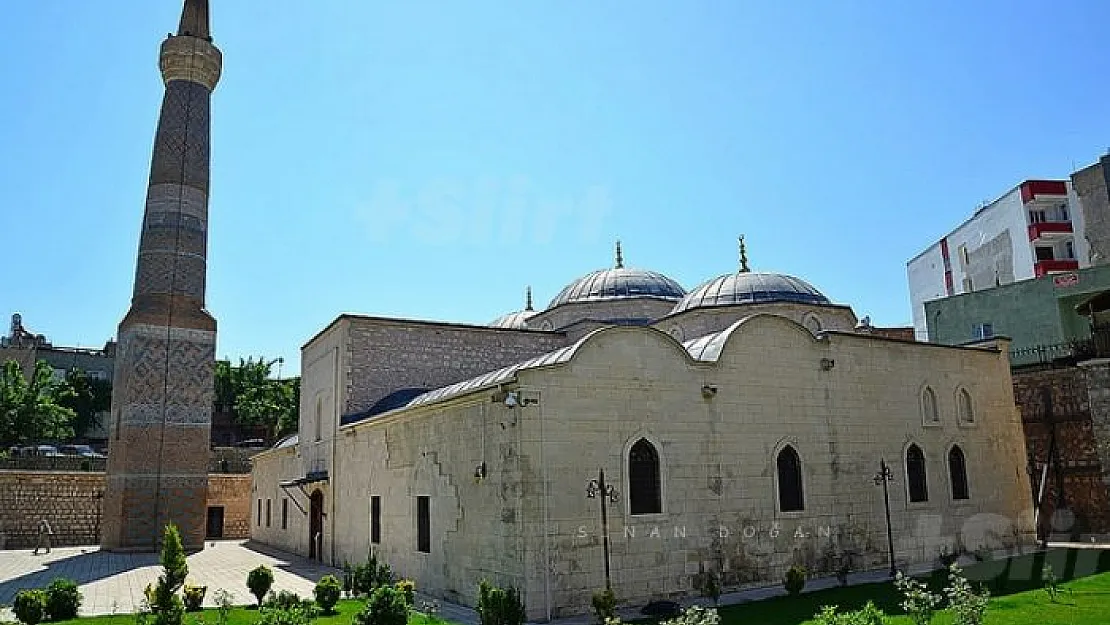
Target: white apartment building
(1036, 228)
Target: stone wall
(73, 505)
(70, 502)
(612, 311)
(1057, 417)
(233, 494)
(388, 355)
(1090, 185)
(697, 322)
(507, 487)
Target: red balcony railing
(1038, 230)
(1045, 267)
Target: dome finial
(743, 256)
(620, 256)
(528, 299)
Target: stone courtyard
(113, 583)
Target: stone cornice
(192, 59)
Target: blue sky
(431, 160)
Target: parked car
(48, 451)
(83, 451)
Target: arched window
(915, 474)
(963, 399)
(791, 497)
(812, 323)
(929, 406)
(644, 488)
(957, 473)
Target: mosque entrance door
(316, 526)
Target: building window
(916, 479)
(258, 516)
(423, 525)
(1069, 250)
(957, 473)
(1036, 217)
(267, 513)
(929, 406)
(791, 497)
(644, 489)
(966, 412)
(319, 417)
(982, 331)
(375, 519)
(1045, 253)
(284, 513)
(1064, 212)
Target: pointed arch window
(966, 411)
(916, 478)
(929, 412)
(957, 473)
(791, 495)
(644, 484)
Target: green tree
(255, 398)
(29, 410)
(86, 397)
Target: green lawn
(1015, 586)
(347, 608)
(1016, 590)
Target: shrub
(373, 574)
(386, 606)
(967, 605)
(63, 599)
(327, 593)
(298, 615)
(259, 581)
(867, 615)
(165, 606)
(917, 601)
(284, 599)
(223, 605)
(795, 579)
(499, 606)
(30, 606)
(194, 597)
(408, 590)
(1051, 583)
(605, 605)
(696, 615)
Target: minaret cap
(194, 20)
(620, 256)
(743, 256)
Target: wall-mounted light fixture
(480, 472)
(827, 364)
(708, 391)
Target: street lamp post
(884, 477)
(598, 489)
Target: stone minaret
(163, 393)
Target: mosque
(635, 435)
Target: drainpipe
(334, 477)
(546, 519)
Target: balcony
(1045, 267)
(1049, 228)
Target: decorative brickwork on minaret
(163, 391)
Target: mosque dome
(751, 287)
(618, 283)
(516, 320)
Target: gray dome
(750, 288)
(618, 283)
(514, 320)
